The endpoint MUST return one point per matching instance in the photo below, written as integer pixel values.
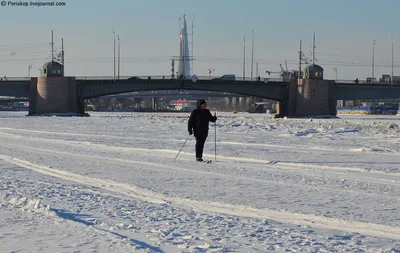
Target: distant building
(179, 104)
(184, 57)
(387, 79)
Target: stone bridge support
(56, 95)
(155, 103)
(309, 97)
(316, 97)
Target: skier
(198, 124)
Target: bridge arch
(97, 88)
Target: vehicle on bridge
(133, 78)
(227, 77)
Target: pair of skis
(205, 161)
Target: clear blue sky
(149, 30)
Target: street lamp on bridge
(114, 53)
(29, 70)
(119, 55)
(335, 69)
(391, 79)
(373, 60)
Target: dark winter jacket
(199, 119)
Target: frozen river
(109, 183)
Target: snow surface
(109, 183)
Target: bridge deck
(345, 91)
(271, 90)
(274, 89)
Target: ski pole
(182, 147)
(215, 138)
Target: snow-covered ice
(109, 183)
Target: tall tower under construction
(184, 58)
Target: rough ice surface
(109, 183)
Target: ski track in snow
(298, 148)
(92, 145)
(153, 204)
(33, 217)
(333, 171)
(393, 180)
(242, 211)
(162, 224)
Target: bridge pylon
(55, 94)
(309, 96)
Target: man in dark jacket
(198, 124)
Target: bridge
(16, 87)
(171, 94)
(352, 91)
(274, 89)
(93, 87)
(140, 94)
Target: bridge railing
(368, 82)
(14, 78)
(172, 92)
(168, 77)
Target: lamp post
(335, 69)
(119, 56)
(114, 53)
(29, 70)
(252, 55)
(244, 58)
(391, 79)
(373, 60)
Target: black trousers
(200, 140)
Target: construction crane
(273, 72)
(285, 74)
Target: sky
(149, 36)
